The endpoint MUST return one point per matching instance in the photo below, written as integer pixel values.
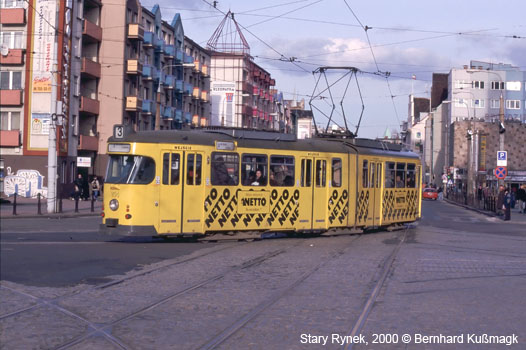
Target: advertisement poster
(222, 96)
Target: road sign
(501, 172)
(502, 158)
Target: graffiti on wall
(25, 183)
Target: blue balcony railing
(148, 38)
(188, 88)
(178, 115)
(179, 56)
(148, 71)
(159, 44)
(148, 106)
(169, 81)
(179, 85)
(188, 59)
(187, 117)
(168, 112)
(169, 50)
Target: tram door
(375, 169)
(193, 193)
(170, 196)
(306, 204)
(319, 194)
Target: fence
(37, 209)
(488, 203)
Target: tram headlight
(114, 204)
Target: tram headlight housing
(114, 204)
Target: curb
(490, 214)
(49, 216)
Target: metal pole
(39, 208)
(52, 139)
(14, 204)
(501, 134)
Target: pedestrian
(507, 205)
(440, 193)
(95, 188)
(78, 184)
(500, 200)
(521, 198)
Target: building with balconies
(199, 104)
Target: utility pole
(52, 138)
(502, 130)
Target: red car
(430, 193)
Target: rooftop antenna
(228, 37)
(347, 72)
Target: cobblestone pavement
(274, 294)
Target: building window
(13, 40)
(10, 121)
(11, 80)
(513, 85)
(477, 85)
(419, 135)
(497, 85)
(460, 102)
(495, 103)
(477, 103)
(513, 104)
(12, 3)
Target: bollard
(60, 205)
(14, 204)
(77, 204)
(92, 204)
(39, 205)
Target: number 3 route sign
(501, 172)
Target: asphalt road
(65, 252)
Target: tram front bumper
(112, 228)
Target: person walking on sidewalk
(521, 198)
(95, 188)
(78, 186)
(500, 200)
(507, 205)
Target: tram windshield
(126, 169)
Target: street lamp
(158, 109)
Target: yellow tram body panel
(175, 188)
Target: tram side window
(411, 182)
(281, 171)
(372, 170)
(400, 175)
(193, 171)
(321, 171)
(171, 169)
(306, 169)
(389, 175)
(365, 174)
(254, 170)
(225, 169)
(336, 172)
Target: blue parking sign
(502, 155)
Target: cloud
(314, 52)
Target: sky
(404, 38)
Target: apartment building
(475, 91)
(36, 75)
(198, 106)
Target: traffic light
(502, 128)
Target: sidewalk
(516, 217)
(28, 208)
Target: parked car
(430, 193)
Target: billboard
(223, 97)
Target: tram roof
(267, 140)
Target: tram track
(369, 303)
(105, 329)
(110, 283)
(220, 338)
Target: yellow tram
(195, 183)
